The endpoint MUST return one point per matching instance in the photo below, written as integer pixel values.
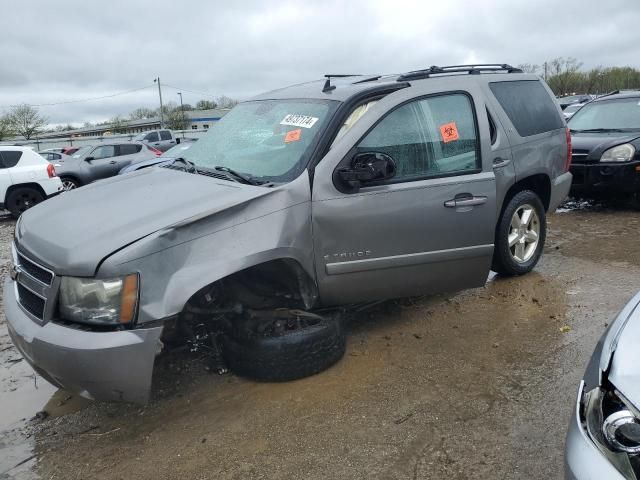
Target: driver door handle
(112, 162)
(465, 201)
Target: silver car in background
(603, 441)
(93, 163)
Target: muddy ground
(478, 384)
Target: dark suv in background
(606, 146)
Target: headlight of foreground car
(614, 426)
(99, 302)
(620, 153)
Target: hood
(73, 232)
(594, 144)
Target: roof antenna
(327, 85)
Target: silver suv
(91, 163)
(308, 198)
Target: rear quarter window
(9, 158)
(528, 105)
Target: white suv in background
(25, 179)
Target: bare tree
(141, 113)
(529, 67)
(226, 102)
(176, 119)
(26, 120)
(117, 124)
(564, 72)
(206, 105)
(5, 127)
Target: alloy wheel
(524, 233)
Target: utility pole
(182, 110)
(160, 95)
(545, 71)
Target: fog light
(622, 431)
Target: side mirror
(366, 168)
(88, 159)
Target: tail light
(51, 171)
(567, 163)
(156, 151)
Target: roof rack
(473, 69)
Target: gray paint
(183, 231)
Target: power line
(66, 102)
(190, 91)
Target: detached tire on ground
(520, 235)
(282, 354)
(21, 199)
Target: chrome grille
(35, 270)
(33, 285)
(31, 302)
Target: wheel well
(539, 184)
(273, 284)
(72, 177)
(35, 186)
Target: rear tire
(520, 235)
(21, 199)
(288, 355)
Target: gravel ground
(478, 384)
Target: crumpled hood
(596, 143)
(624, 362)
(73, 232)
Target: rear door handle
(465, 201)
(112, 162)
(500, 162)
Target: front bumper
(108, 366)
(605, 177)
(582, 459)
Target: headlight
(613, 425)
(100, 302)
(620, 153)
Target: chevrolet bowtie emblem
(13, 272)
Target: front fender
(213, 248)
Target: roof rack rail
(473, 69)
(327, 85)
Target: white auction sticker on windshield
(295, 120)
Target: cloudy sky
(55, 51)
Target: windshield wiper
(189, 166)
(599, 130)
(238, 176)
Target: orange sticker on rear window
(449, 132)
(293, 136)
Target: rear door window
(152, 137)
(9, 158)
(129, 149)
(165, 135)
(528, 105)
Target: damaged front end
(604, 434)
